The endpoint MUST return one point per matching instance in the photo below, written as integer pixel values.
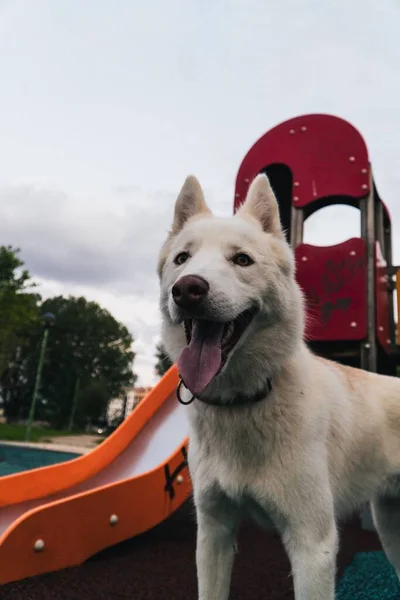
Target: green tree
(19, 317)
(163, 361)
(92, 402)
(86, 342)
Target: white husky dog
(275, 431)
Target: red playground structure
(314, 161)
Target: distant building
(134, 395)
(138, 394)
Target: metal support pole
(37, 384)
(296, 227)
(371, 282)
(387, 231)
(74, 404)
(124, 406)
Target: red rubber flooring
(159, 565)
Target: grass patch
(16, 433)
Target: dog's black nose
(189, 291)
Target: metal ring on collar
(178, 393)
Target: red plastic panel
(334, 282)
(327, 157)
(382, 301)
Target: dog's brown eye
(242, 260)
(181, 258)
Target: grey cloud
(113, 243)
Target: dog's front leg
(216, 535)
(312, 547)
(309, 531)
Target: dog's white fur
(325, 441)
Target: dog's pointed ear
(189, 203)
(261, 204)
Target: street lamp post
(48, 320)
(74, 403)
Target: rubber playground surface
(159, 565)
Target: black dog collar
(238, 400)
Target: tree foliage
(85, 342)
(19, 309)
(92, 402)
(19, 317)
(163, 361)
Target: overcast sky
(105, 107)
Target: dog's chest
(233, 452)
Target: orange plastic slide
(59, 516)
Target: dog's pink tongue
(199, 362)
